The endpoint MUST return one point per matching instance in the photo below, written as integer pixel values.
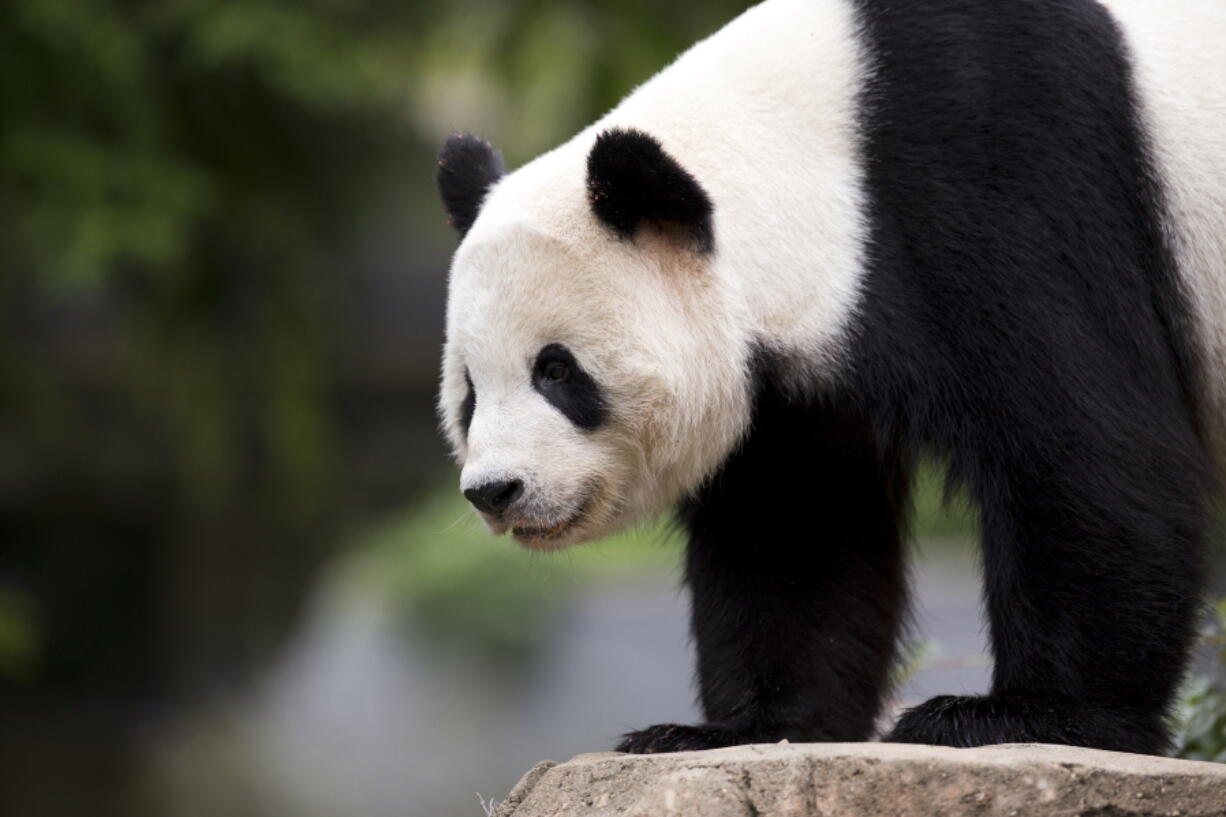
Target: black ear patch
(630, 179)
(467, 167)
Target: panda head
(594, 370)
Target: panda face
(574, 390)
(589, 379)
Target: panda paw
(673, 737)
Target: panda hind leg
(1092, 580)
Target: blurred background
(235, 575)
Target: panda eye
(568, 387)
(555, 371)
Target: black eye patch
(469, 405)
(559, 378)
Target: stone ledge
(871, 780)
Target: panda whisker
(466, 518)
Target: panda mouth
(553, 531)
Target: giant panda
(832, 238)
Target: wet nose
(495, 497)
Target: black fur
(1044, 717)
(794, 563)
(467, 167)
(469, 406)
(630, 180)
(574, 393)
(1021, 320)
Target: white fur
(762, 114)
(1179, 54)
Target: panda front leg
(795, 568)
(1091, 585)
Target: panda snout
(496, 496)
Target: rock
(871, 780)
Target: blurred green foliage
(530, 73)
(193, 170)
(941, 510)
(1200, 718)
(460, 586)
(19, 635)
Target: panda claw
(673, 737)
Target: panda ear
(630, 179)
(467, 168)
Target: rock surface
(871, 780)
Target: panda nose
(495, 497)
